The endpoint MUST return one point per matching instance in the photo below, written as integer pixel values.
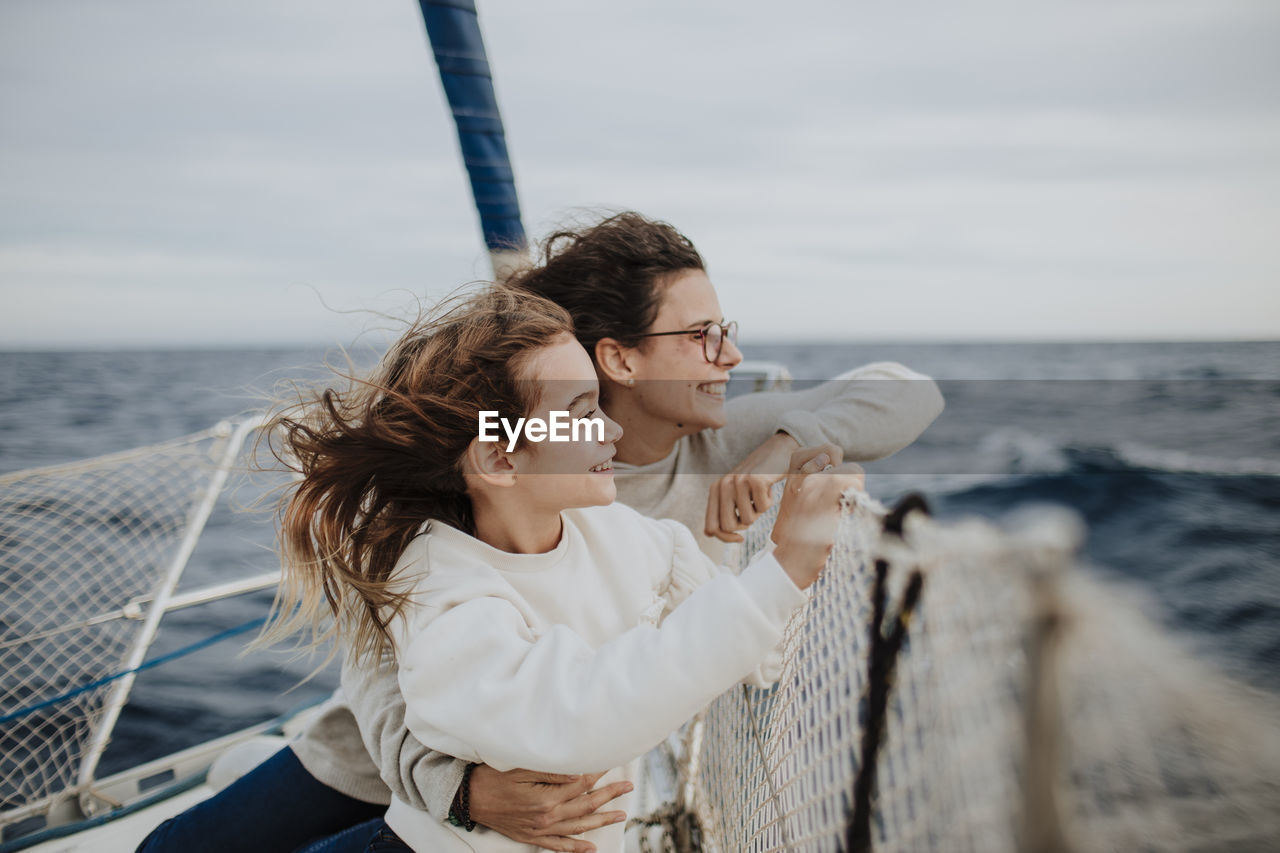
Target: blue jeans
(356, 839)
(384, 840)
(278, 807)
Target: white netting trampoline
(89, 554)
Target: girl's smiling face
(556, 475)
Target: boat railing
(753, 375)
(91, 554)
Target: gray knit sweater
(358, 743)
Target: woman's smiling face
(674, 380)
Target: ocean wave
(1021, 451)
(1025, 452)
(1179, 462)
(1012, 457)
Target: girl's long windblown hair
(379, 457)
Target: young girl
(534, 623)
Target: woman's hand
(543, 809)
(810, 511)
(741, 496)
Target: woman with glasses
(647, 313)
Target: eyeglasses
(713, 336)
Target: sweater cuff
(439, 791)
(771, 588)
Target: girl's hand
(741, 496)
(810, 511)
(543, 809)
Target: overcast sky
(175, 172)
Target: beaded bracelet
(460, 811)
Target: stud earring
(631, 383)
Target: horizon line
(211, 346)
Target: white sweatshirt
(577, 660)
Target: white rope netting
(1031, 706)
(84, 550)
(1157, 751)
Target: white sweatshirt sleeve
(691, 569)
(479, 687)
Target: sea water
(1170, 453)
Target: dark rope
(882, 660)
(913, 502)
(681, 830)
(858, 835)
(154, 662)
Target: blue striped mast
(453, 29)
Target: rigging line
(154, 662)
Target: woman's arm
(422, 777)
(534, 808)
(477, 688)
(868, 413)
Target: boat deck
(123, 834)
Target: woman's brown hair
(383, 455)
(610, 275)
